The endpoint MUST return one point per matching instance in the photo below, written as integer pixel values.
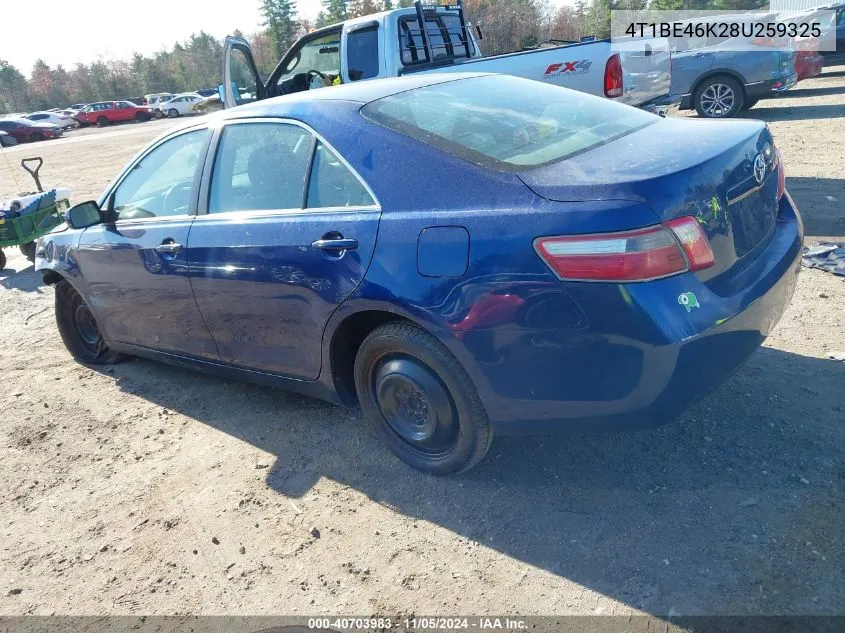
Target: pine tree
(335, 11)
(387, 5)
(280, 20)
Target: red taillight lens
(639, 255)
(694, 242)
(613, 76)
(781, 174)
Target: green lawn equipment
(28, 216)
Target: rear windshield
(506, 123)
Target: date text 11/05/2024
(419, 624)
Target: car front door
(284, 234)
(135, 267)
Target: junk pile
(828, 256)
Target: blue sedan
(457, 254)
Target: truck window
(321, 54)
(362, 53)
(444, 38)
(504, 122)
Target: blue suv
(720, 78)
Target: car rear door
(135, 268)
(284, 234)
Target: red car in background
(106, 112)
(26, 130)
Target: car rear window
(506, 123)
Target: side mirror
(84, 215)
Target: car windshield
(506, 122)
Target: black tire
(173, 113)
(79, 330)
(28, 250)
(102, 121)
(2, 259)
(750, 103)
(140, 117)
(421, 400)
(719, 97)
(36, 136)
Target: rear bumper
(771, 87)
(604, 378)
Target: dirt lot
(147, 489)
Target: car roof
(362, 92)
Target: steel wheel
(86, 328)
(415, 404)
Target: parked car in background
(719, 79)
(56, 118)
(180, 105)
(107, 112)
(558, 261)
(26, 130)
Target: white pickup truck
(392, 43)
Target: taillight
(694, 242)
(638, 255)
(613, 76)
(781, 174)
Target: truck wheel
(102, 121)
(28, 250)
(2, 259)
(719, 97)
(421, 399)
(79, 330)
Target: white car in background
(54, 118)
(180, 105)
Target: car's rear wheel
(79, 330)
(102, 121)
(36, 136)
(421, 400)
(173, 113)
(28, 250)
(750, 103)
(719, 97)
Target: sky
(67, 34)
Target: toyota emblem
(759, 168)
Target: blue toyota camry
(458, 254)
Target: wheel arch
(349, 327)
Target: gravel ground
(147, 489)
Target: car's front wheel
(421, 399)
(102, 121)
(719, 97)
(173, 113)
(79, 330)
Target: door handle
(168, 248)
(336, 244)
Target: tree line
(507, 25)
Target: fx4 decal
(580, 67)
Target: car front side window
(260, 167)
(160, 184)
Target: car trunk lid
(711, 178)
